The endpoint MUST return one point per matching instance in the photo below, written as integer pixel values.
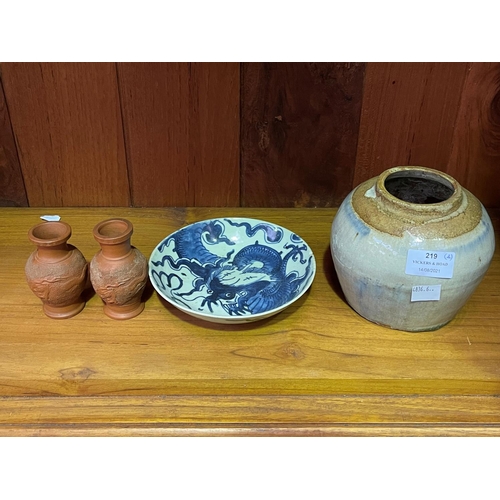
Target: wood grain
(66, 119)
(299, 132)
(475, 156)
(250, 430)
(317, 368)
(307, 134)
(12, 191)
(182, 132)
(408, 116)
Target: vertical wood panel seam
(14, 135)
(125, 142)
(240, 138)
(464, 82)
(353, 173)
(460, 107)
(192, 153)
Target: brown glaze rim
(122, 232)
(380, 210)
(449, 204)
(56, 233)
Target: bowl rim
(229, 318)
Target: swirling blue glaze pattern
(232, 267)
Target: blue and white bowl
(232, 270)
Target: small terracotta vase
(119, 271)
(56, 272)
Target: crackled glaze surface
(373, 231)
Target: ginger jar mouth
(420, 186)
(416, 200)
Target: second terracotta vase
(119, 271)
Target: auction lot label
(430, 263)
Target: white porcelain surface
(232, 270)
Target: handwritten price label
(422, 293)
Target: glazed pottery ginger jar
(409, 248)
(56, 271)
(119, 271)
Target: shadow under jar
(409, 247)
(119, 271)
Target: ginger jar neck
(417, 200)
(418, 192)
(113, 235)
(51, 240)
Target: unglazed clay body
(410, 208)
(56, 272)
(118, 272)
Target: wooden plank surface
(408, 116)
(12, 191)
(182, 132)
(67, 122)
(475, 157)
(317, 367)
(299, 128)
(170, 429)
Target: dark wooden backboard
(67, 123)
(231, 134)
(300, 124)
(12, 191)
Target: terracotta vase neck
(51, 240)
(113, 235)
(53, 253)
(116, 251)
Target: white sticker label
(430, 263)
(420, 293)
(50, 218)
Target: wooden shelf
(317, 368)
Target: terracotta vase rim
(113, 231)
(56, 233)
